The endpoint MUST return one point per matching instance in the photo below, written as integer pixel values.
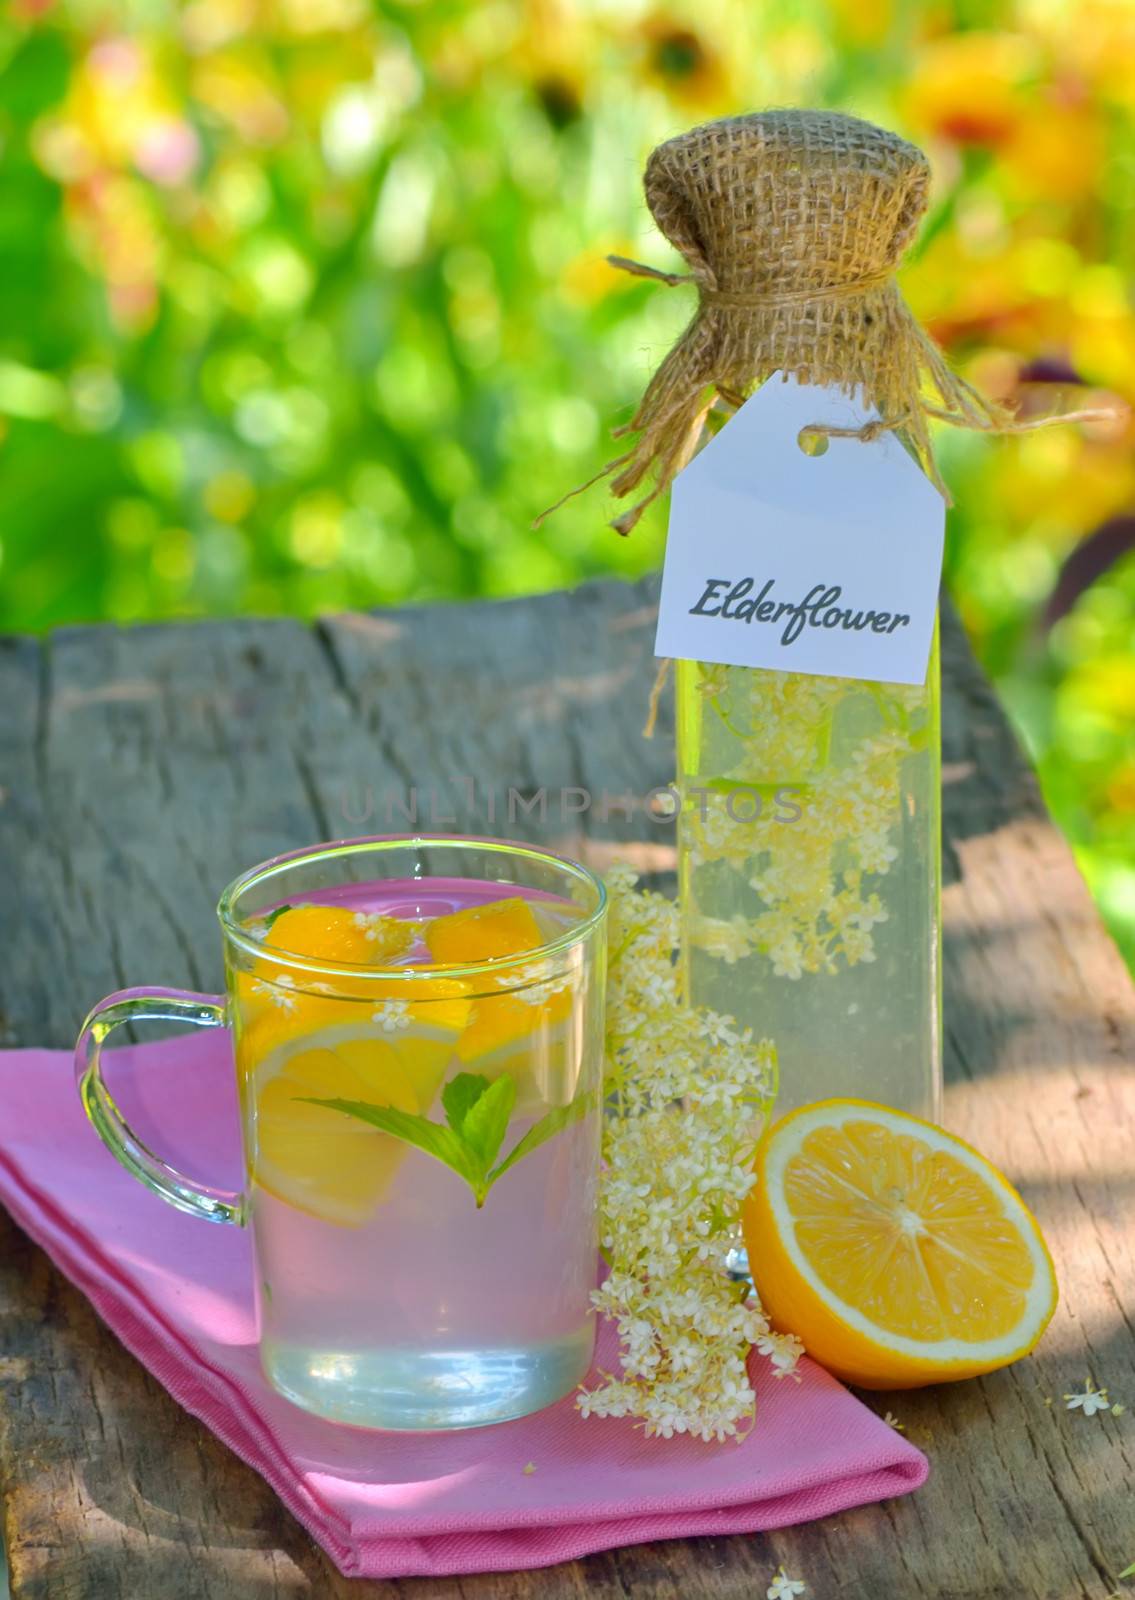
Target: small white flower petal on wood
(783, 1587)
(1089, 1402)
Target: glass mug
(420, 1088)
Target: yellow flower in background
(205, 25)
(1101, 332)
(1096, 39)
(1106, 687)
(241, 90)
(229, 496)
(1059, 484)
(1121, 789)
(117, 114)
(305, 17)
(680, 56)
(553, 51)
(589, 276)
(863, 22)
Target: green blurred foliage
(305, 307)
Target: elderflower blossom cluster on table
(687, 1095)
(816, 877)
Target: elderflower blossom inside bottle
(809, 867)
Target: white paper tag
(825, 564)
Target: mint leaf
(459, 1096)
(270, 918)
(554, 1122)
(442, 1143)
(478, 1112)
(487, 1120)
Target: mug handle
(149, 1005)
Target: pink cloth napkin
(178, 1293)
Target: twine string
(746, 299)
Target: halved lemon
(895, 1251)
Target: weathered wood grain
(140, 769)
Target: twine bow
(792, 223)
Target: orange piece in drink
(339, 936)
(318, 1159)
(484, 933)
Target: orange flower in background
(1057, 147)
(973, 88)
(118, 137)
(114, 224)
(975, 291)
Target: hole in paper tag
(813, 443)
(825, 563)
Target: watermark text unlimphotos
(453, 803)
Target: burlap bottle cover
(792, 223)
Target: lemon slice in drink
(325, 1163)
(529, 1033)
(329, 1164)
(275, 1004)
(275, 1011)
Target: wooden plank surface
(140, 769)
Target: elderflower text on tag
(826, 564)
